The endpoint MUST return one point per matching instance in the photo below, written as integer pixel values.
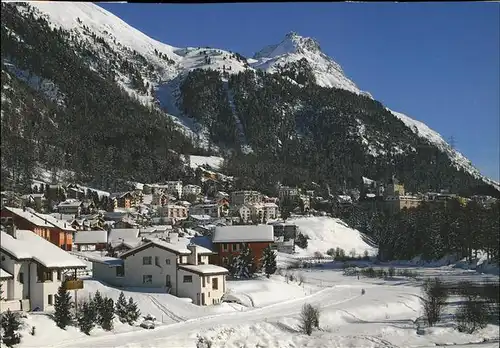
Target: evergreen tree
(245, 265)
(98, 303)
(121, 308)
(269, 261)
(107, 314)
(62, 305)
(133, 312)
(10, 327)
(87, 317)
(301, 241)
(1, 292)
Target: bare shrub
(434, 299)
(472, 314)
(309, 318)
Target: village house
(288, 192)
(46, 226)
(160, 198)
(191, 190)
(174, 188)
(123, 200)
(90, 240)
(213, 210)
(70, 206)
(229, 240)
(33, 269)
(121, 239)
(180, 270)
(284, 236)
(244, 197)
(172, 212)
(34, 200)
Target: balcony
(73, 284)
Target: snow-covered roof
(176, 248)
(28, 245)
(96, 256)
(29, 216)
(64, 217)
(70, 203)
(4, 274)
(204, 269)
(91, 237)
(63, 225)
(250, 233)
(117, 234)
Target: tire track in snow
(165, 310)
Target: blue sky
(436, 62)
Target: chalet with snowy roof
(33, 269)
(90, 240)
(177, 266)
(70, 206)
(34, 200)
(229, 241)
(123, 200)
(46, 226)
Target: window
(157, 261)
(21, 277)
(203, 281)
(188, 279)
(215, 284)
(146, 260)
(58, 275)
(120, 271)
(50, 300)
(167, 261)
(147, 279)
(225, 247)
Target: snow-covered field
(383, 317)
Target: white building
(32, 270)
(244, 197)
(213, 210)
(174, 187)
(191, 190)
(263, 212)
(180, 270)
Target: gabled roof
(91, 237)
(63, 225)
(154, 242)
(238, 234)
(29, 216)
(28, 245)
(4, 274)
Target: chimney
(12, 230)
(193, 258)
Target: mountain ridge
(76, 17)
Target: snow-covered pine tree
(133, 312)
(62, 305)
(121, 308)
(86, 317)
(10, 326)
(269, 261)
(98, 302)
(107, 314)
(245, 267)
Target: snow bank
(326, 232)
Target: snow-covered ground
(383, 317)
(326, 233)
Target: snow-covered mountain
(170, 64)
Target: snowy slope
(461, 162)
(294, 47)
(326, 232)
